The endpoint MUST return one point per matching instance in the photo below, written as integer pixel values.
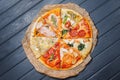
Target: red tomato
(85, 23)
(86, 26)
(46, 55)
(58, 65)
(81, 23)
(57, 54)
(81, 33)
(67, 24)
(51, 51)
(57, 45)
(73, 33)
(76, 27)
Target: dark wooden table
(16, 16)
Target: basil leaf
(71, 45)
(51, 57)
(81, 46)
(65, 19)
(64, 31)
(73, 16)
(53, 19)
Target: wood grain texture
(6, 5)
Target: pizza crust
(39, 66)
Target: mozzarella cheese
(72, 21)
(76, 43)
(62, 51)
(40, 45)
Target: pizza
(60, 39)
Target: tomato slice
(67, 24)
(51, 51)
(81, 33)
(57, 45)
(76, 27)
(73, 33)
(52, 56)
(85, 23)
(46, 55)
(55, 62)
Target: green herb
(73, 16)
(52, 41)
(81, 46)
(51, 57)
(71, 45)
(53, 19)
(64, 31)
(65, 19)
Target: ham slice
(47, 32)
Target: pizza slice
(85, 29)
(39, 45)
(51, 58)
(74, 25)
(42, 29)
(69, 18)
(82, 45)
(69, 57)
(53, 18)
(74, 51)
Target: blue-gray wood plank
(16, 16)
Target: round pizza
(59, 41)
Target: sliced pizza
(51, 58)
(66, 53)
(74, 25)
(43, 29)
(53, 18)
(69, 56)
(74, 51)
(81, 45)
(61, 39)
(40, 45)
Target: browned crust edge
(39, 66)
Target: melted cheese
(40, 45)
(87, 49)
(65, 12)
(71, 41)
(87, 42)
(62, 51)
(72, 21)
